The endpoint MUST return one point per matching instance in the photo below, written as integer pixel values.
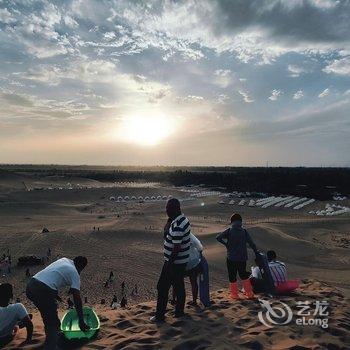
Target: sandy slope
(225, 325)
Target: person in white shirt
(42, 290)
(12, 315)
(193, 268)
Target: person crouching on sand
(176, 253)
(235, 238)
(12, 316)
(42, 290)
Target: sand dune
(225, 325)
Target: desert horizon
(116, 220)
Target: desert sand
(226, 324)
(127, 240)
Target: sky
(207, 82)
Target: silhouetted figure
(86, 300)
(111, 276)
(123, 288)
(27, 272)
(114, 303)
(123, 302)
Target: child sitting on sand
(235, 239)
(12, 316)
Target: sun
(146, 130)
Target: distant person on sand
(235, 239)
(123, 288)
(123, 302)
(176, 255)
(114, 302)
(12, 317)
(42, 290)
(111, 276)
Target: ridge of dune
(226, 324)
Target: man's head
(236, 218)
(271, 255)
(173, 208)
(6, 294)
(80, 262)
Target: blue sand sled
(204, 283)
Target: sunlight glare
(146, 130)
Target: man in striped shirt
(176, 255)
(277, 268)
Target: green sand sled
(70, 324)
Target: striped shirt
(179, 233)
(278, 272)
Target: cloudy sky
(207, 82)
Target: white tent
(170, 196)
(112, 198)
(120, 198)
(133, 198)
(146, 198)
(165, 197)
(126, 198)
(153, 197)
(140, 198)
(159, 198)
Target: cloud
(222, 99)
(223, 72)
(298, 95)
(190, 98)
(275, 94)
(324, 93)
(5, 16)
(273, 21)
(246, 96)
(296, 70)
(339, 66)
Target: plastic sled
(70, 324)
(287, 287)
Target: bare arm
(79, 307)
